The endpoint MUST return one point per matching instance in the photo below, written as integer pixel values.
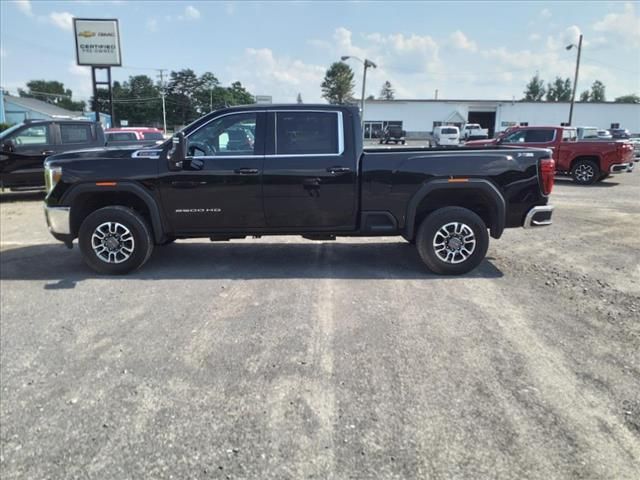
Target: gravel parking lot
(286, 358)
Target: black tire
(141, 246)
(585, 172)
(441, 219)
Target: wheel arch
(87, 198)
(478, 195)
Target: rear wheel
(115, 240)
(585, 172)
(452, 241)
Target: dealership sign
(97, 42)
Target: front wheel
(585, 172)
(115, 240)
(452, 241)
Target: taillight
(547, 175)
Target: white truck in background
(473, 131)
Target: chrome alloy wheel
(454, 242)
(584, 172)
(112, 242)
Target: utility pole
(367, 64)
(436, 96)
(162, 94)
(575, 79)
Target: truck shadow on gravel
(27, 196)
(235, 261)
(568, 182)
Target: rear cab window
(152, 136)
(120, 136)
(308, 133)
(449, 131)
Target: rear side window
(539, 136)
(307, 133)
(152, 136)
(571, 135)
(75, 133)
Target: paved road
(284, 358)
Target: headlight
(52, 176)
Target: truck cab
(26, 145)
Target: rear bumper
(58, 220)
(622, 168)
(538, 216)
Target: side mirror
(8, 146)
(178, 152)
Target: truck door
(309, 178)
(24, 164)
(219, 187)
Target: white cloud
(190, 13)
(461, 42)
(534, 37)
(152, 25)
(63, 20)
(24, 6)
(283, 77)
(82, 87)
(545, 13)
(229, 8)
(3, 52)
(625, 25)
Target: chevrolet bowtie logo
(87, 34)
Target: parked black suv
(26, 145)
(393, 134)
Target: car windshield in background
(152, 136)
(449, 131)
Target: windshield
(9, 131)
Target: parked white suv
(446, 135)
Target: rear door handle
(47, 152)
(247, 171)
(338, 169)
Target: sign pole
(113, 117)
(96, 110)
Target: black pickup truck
(294, 170)
(26, 145)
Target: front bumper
(538, 216)
(622, 168)
(58, 220)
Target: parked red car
(586, 161)
(133, 136)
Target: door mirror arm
(178, 152)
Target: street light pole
(575, 79)
(367, 64)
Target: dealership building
(419, 117)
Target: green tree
(181, 97)
(338, 84)
(387, 93)
(630, 98)
(534, 91)
(53, 92)
(559, 90)
(585, 96)
(239, 95)
(597, 92)
(138, 101)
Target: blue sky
(472, 50)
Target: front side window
(516, 137)
(231, 135)
(35, 135)
(75, 133)
(307, 133)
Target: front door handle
(187, 184)
(47, 152)
(247, 171)
(338, 169)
